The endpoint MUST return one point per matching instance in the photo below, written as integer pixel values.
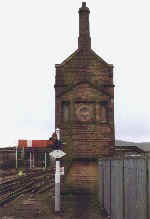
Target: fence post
(30, 160)
(16, 158)
(23, 158)
(45, 160)
(109, 216)
(123, 195)
(103, 183)
(147, 185)
(33, 159)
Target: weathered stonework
(83, 176)
(85, 98)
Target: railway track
(34, 181)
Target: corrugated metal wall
(124, 187)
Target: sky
(37, 34)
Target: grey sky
(35, 35)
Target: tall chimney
(84, 40)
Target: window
(66, 111)
(103, 111)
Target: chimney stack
(84, 40)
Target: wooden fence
(124, 186)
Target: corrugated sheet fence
(124, 187)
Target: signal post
(57, 154)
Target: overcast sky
(37, 34)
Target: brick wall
(85, 80)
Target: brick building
(85, 99)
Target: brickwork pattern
(84, 80)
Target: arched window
(103, 111)
(66, 111)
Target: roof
(125, 152)
(145, 148)
(77, 52)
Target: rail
(37, 181)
